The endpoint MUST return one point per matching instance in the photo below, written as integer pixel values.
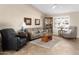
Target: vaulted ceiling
(57, 8)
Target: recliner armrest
(21, 36)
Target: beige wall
(13, 16)
(74, 20)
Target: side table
(60, 32)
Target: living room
(41, 29)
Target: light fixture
(54, 6)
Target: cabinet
(48, 25)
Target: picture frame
(27, 21)
(37, 21)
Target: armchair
(10, 41)
(71, 33)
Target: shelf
(48, 24)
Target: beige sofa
(35, 32)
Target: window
(62, 22)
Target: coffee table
(46, 38)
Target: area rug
(48, 44)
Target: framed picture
(37, 21)
(27, 21)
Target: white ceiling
(60, 8)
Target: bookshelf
(48, 25)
